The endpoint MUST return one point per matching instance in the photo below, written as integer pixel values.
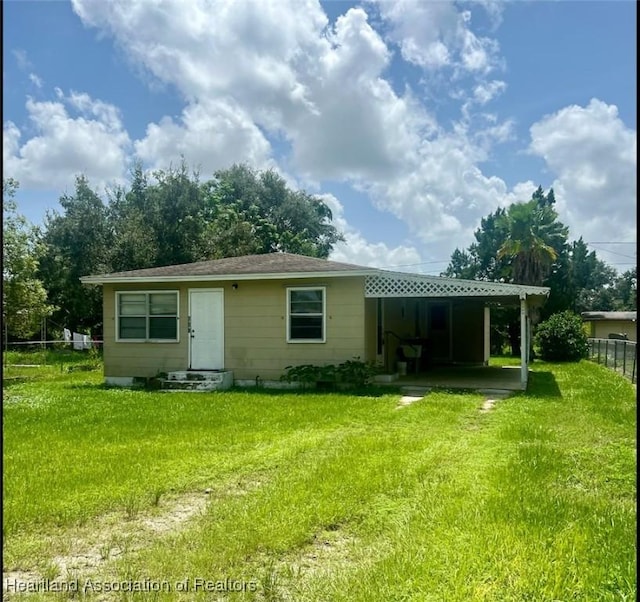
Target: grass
(329, 496)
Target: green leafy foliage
(352, 372)
(168, 219)
(24, 298)
(562, 338)
(77, 242)
(534, 240)
(526, 243)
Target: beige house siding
(135, 359)
(256, 324)
(255, 320)
(600, 329)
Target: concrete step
(188, 380)
(214, 375)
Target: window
(305, 315)
(151, 316)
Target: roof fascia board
(222, 277)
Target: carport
(435, 322)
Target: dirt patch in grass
(406, 400)
(84, 551)
(329, 548)
(328, 551)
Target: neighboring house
(603, 323)
(255, 315)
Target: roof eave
(105, 279)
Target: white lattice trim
(409, 285)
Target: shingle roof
(288, 265)
(609, 315)
(269, 263)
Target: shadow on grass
(9, 381)
(101, 387)
(261, 391)
(370, 391)
(543, 384)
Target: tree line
(525, 243)
(172, 217)
(164, 218)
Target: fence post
(598, 350)
(624, 358)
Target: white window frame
(147, 293)
(323, 289)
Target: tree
(178, 219)
(534, 240)
(481, 261)
(76, 243)
(172, 218)
(252, 212)
(24, 298)
(135, 243)
(626, 287)
(524, 243)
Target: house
(601, 324)
(255, 315)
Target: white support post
(524, 342)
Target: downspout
(524, 342)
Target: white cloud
(21, 59)
(593, 155)
(323, 90)
(357, 250)
(434, 35)
(253, 71)
(210, 136)
(251, 49)
(10, 140)
(35, 80)
(484, 92)
(65, 146)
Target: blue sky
(413, 119)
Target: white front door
(206, 329)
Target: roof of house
(266, 264)
(592, 316)
(379, 283)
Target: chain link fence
(616, 354)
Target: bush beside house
(562, 338)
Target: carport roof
(398, 284)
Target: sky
(411, 119)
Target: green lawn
(327, 496)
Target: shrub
(351, 372)
(562, 338)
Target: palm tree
(534, 239)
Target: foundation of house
(198, 380)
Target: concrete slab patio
(483, 378)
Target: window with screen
(306, 315)
(147, 316)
